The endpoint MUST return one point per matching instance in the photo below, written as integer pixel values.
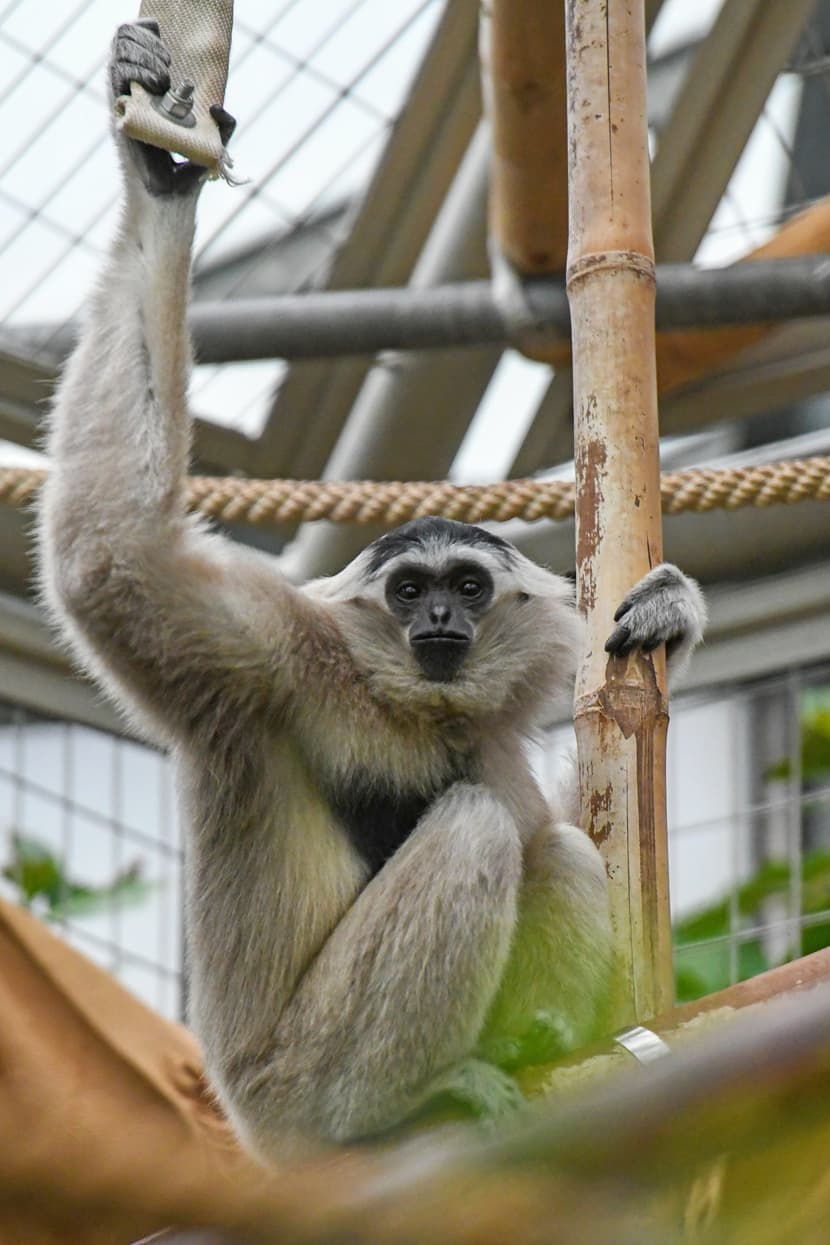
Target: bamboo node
(611, 261)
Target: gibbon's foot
(665, 607)
(139, 55)
(480, 1088)
(546, 1039)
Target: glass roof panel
(316, 89)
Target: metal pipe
(350, 322)
(364, 322)
(414, 408)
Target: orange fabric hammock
(107, 1129)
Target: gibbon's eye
(407, 591)
(470, 589)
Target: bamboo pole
(523, 56)
(620, 706)
(523, 59)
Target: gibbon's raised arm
(155, 606)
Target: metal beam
(387, 235)
(413, 409)
(790, 365)
(549, 439)
(727, 85)
(718, 546)
(27, 383)
(36, 673)
(24, 387)
(466, 313)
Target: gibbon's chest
(379, 797)
(377, 818)
(378, 777)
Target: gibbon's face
(438, 607)
(448, 615)
(438, 580)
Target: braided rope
(267, 502)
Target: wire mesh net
(781, 170)
(89, 841)
(89, 836)
(748, 804)
(749, 821)
(317, 90)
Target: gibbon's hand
(665, 607)
(139, 55)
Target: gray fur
(665, 607)
(330, 1002)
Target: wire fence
(89, 840)
(749, 817)
(317, 89)
(748, 805)
(782, 169)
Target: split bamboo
(620, 707)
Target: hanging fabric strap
(197, 34)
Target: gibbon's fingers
(665, 607)
(139, 55)
(225, 123)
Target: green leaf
(703, 969)
(815, 740)
(34, 870)
(39, 874)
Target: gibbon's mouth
(440, 654)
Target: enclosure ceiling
(399, 199)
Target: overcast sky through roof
(316, 87)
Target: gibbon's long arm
(157, 607)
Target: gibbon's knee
(555, 989)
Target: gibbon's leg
(394, 1001)
(554, 994)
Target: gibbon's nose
(439, 613)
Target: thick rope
(263, 503)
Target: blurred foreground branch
(108, 1132)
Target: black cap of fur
(419, 533)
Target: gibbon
(381, 903)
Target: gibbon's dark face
(439, 611)
(437, 578)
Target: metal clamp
(644, 1044)
(177, 105)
